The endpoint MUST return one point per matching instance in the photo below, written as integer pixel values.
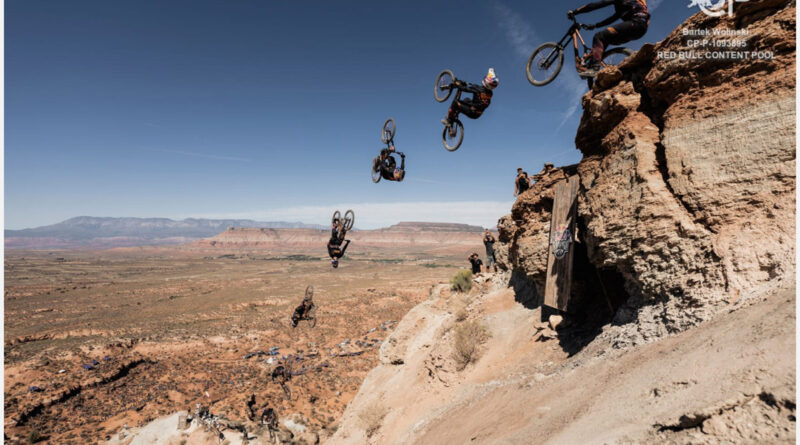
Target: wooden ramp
(560, 249)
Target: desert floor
(169, 329)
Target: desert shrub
(467, 340)
(462, 314)
(461, 281)
(34, 436)
(372, 417)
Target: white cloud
(520, 34)
(524, 39)
(377, 215)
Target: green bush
(462, 281)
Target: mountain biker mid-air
(336, 251)
(301, 311)
(481, 98)
(388, 165)
(635, 20)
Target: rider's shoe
(446, 122)
(589, 68)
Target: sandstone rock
(687, 179)
(549, 334)
(307, 438)
(557, 321)
(539, 325)
(182, 422)
(606, 78)
(714, 426)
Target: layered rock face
(688, 176)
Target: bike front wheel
(337, 216)
(544, 64)
(309, 291)
(453, 135)
(349, 219)
(442, 90)
(387, 132)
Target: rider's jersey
(481, 96)
(336, 251)
(624, 9)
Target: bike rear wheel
(442, 90)
(453, 141)
(612, 57)
(544, 64)
(286, 391)
(387, 132)
(337, 216)
(615, 56)
(349, 219)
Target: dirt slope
(731, 379)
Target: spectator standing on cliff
(522, 183)
(476, 262)
(488, 243)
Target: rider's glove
(570, 15)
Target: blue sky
(272, 110)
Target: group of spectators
(522, 183)
(475, 260)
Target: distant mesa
(433, 227)
(89, 232)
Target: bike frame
(574, 34)
(455, 99)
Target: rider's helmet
(334, 263)
(490, 81)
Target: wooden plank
(560, 249)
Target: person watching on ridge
(476, 262)
(522, 183)
(488, 243)
(481, 98)
(635, 21)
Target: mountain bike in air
(386, 159)
(342, 226)
(453, 134)
(546, 62)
